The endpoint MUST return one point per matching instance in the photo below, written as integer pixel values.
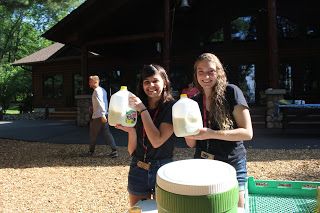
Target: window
(247, 82)
(115, 80)
(311, 79)
(217, 36)
(286, 81)
(53, 86)
(312, 31)
(77, 84)
(286, 28)
(244, 29)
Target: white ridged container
(197, 185)
(119, 110)
(186, 117)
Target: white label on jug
(131, 117)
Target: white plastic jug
(119, 110)
(186, 117)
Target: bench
(294, 112)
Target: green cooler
(197, 186)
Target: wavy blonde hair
(219, 110)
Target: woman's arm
(243, 132)
(132, 137)
(156, 136)
(190, 142)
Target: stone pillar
(83, 104)
(273, 117)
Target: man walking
(99, 120)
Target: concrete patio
(66, 132)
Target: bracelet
(142, 110)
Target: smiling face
(206, 74)
(153, 86)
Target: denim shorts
(142, 182)
(241, 169)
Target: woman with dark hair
(226, 118)
(150, 142)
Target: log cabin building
(262, 44)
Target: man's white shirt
(99, 103)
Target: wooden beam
(127, 39)
(166, 38)
(273, 51)
(227, 26)
(84, 69)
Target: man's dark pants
(96, 126)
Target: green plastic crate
(264, 196)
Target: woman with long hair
(226, 118)
(150, 142)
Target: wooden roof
(54, 52)
(97, 20)
(41, 55)
(120, 27)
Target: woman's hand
(124, 128)
(204, 134)
(132, 137)
(136, 103)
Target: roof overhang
(41, 55)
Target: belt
(153, 161)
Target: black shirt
(164, 115)
(227, 151)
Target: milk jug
(186, 117)
(119, 110)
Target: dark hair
(150, 70)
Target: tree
(22, 23)
(13, 84)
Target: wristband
(142, 110)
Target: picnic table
(300, 110)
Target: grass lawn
(12, 112)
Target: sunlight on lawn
(12, 112)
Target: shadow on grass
(19, 154)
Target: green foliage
(22, 22)
(15, 85)
(12, 112)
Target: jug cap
(123, 88)
(183, 96)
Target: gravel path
(40, 177)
